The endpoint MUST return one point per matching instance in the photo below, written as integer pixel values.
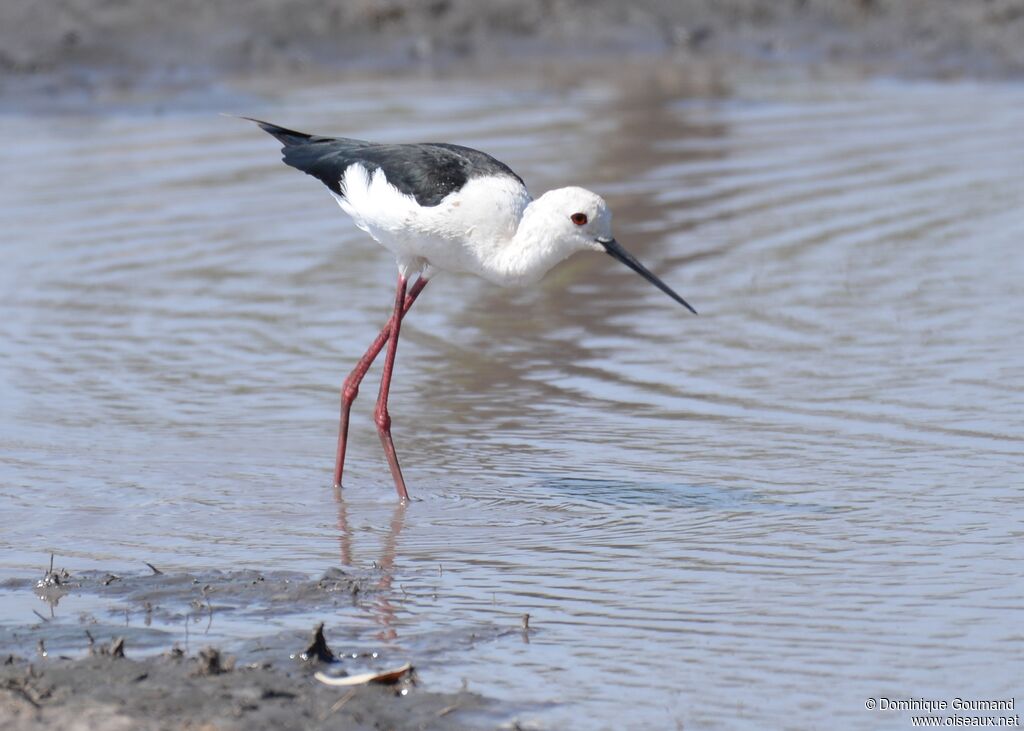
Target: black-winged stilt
(441, 207)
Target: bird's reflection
(381, 609)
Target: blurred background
(756, 518)
(192, 41)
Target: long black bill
(614, 248)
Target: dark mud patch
(173, 691)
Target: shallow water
(756, 518)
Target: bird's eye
(580, 219)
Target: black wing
(428, 171)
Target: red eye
(580, 219)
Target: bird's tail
(287, 137)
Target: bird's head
(578, 216)
(581, 221)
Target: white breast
(463, 233)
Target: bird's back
(428, 172)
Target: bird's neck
(531, 252)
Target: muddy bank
(171, 691)
(150, 671)
(87, 40)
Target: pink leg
(381, 415)
(350, 389)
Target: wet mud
(169, 596)
(173, 691)
(103, 675)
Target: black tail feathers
(287, 137)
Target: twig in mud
(154, 569)
(40, 616)
(52, 578)
(449, 709)
(342, 701)
(115, 649)
(175, 653)
(211, 662)
(19, 690)
(209, 608)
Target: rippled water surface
(755, 518)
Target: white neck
(531, 252)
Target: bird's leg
(350, 389)
(381, 415)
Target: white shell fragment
(385, 677)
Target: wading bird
(442, 207)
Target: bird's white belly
(463, 233)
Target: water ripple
(815, 482)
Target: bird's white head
(575, 219)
